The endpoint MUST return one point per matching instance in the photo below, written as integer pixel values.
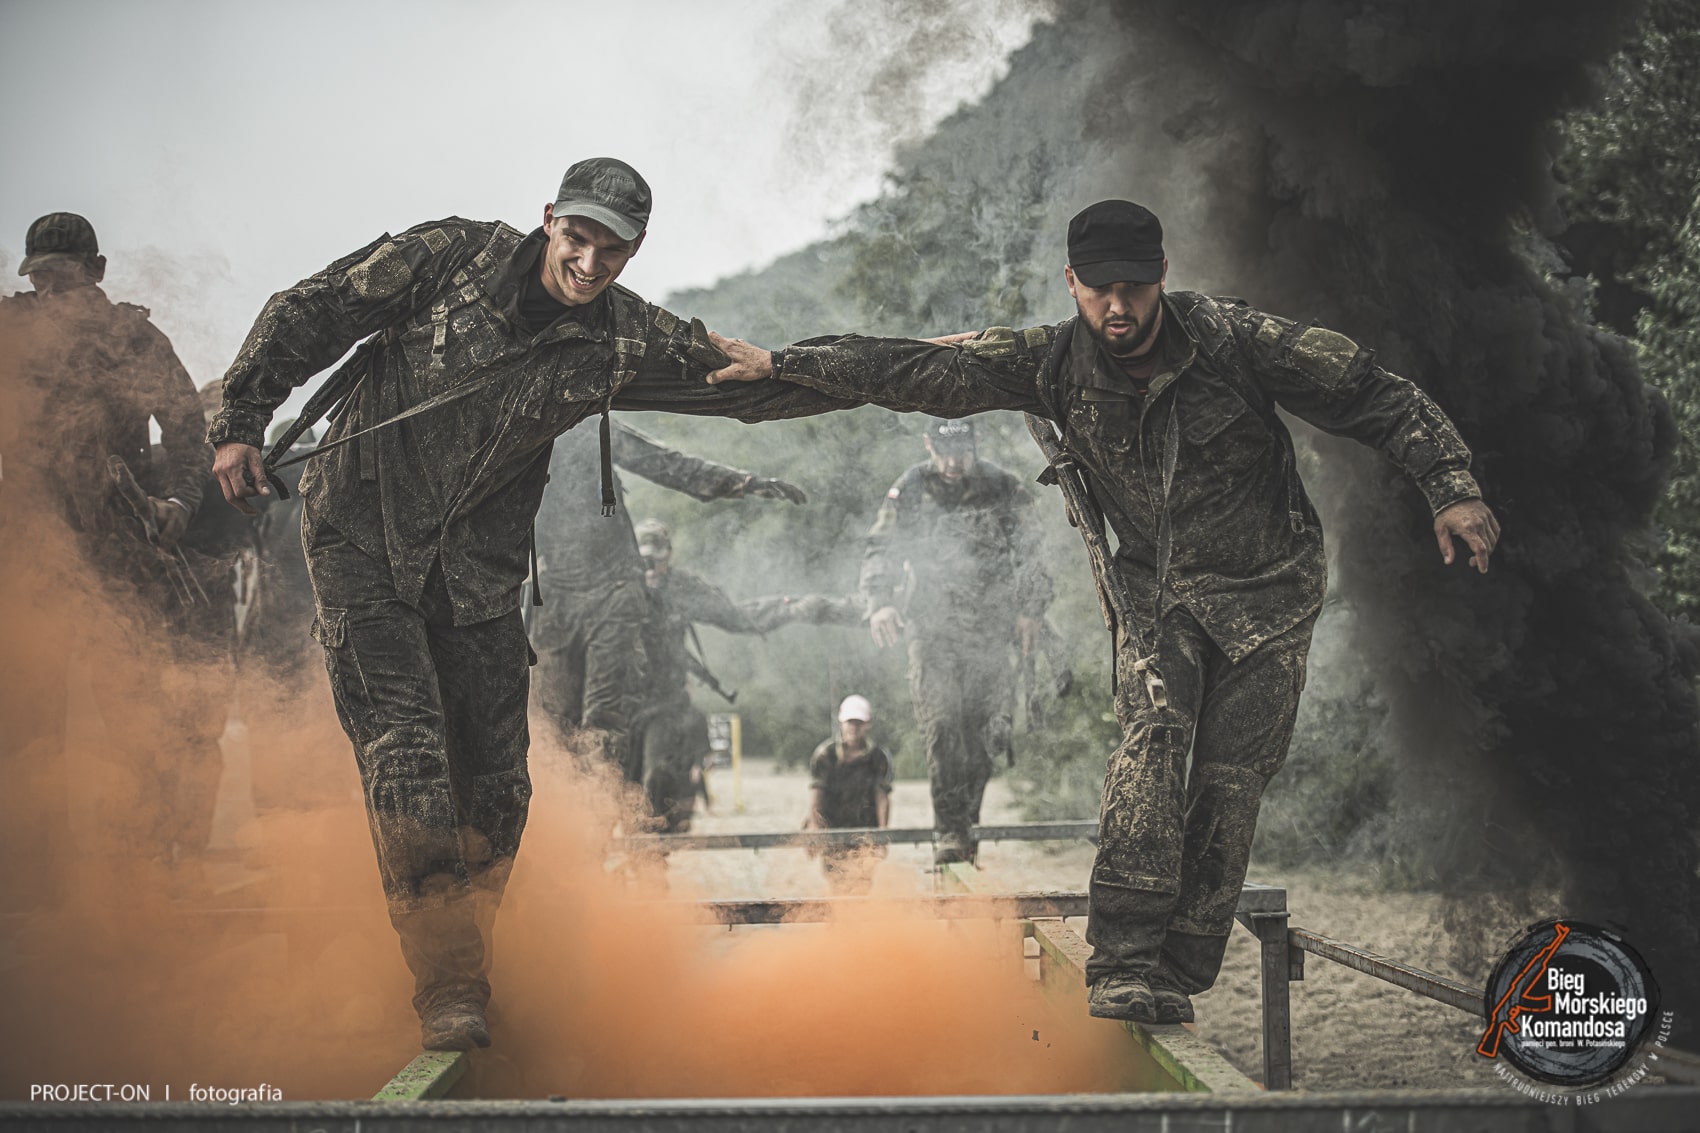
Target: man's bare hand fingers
(951, 339)
(1482, 548)
(1443, 536)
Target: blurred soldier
(672, 733)
(418, 514)
(275, 635)
(204, 638)
(1166, 403)
(81, 377)
(850, 786)
(589, 631)
(296, 757)
(951, 565)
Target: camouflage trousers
(962, 686)
(436, 713)
(590, 666)
(672, 739)
(1174, 840)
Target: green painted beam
(1188, 1061)
(432, 1075)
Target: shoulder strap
(1216, 339)
(1050, 376)
(333, 396)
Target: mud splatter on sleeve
(993, 371)
(1330, 381)
(305, 328)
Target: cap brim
(1118, 271)
(50, 260)
(621, 225)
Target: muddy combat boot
(453, 1026)
(1122, 997)
(1173, 1005)
(953, 847)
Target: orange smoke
(273, 962)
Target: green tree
(1630, 180)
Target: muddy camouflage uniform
(418, 535)
(79, 378)
(672, 733)
(589, 631)
(958, 560)
(1244, 581)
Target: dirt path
(1349, 1030)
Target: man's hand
(952, 339)
(749, 363)
(171, 519)
(240, 474)
(767, 488)
(1473, 522)
(886, 626)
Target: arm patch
(994, 342)
(382, 274)
(1325, 355)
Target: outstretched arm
(995, 369)
(701, 479)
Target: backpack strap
(1215, 338)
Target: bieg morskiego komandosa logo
(1569, 1004)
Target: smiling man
(1167, 405)
(483, 344)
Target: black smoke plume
(1385, 168)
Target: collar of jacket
(503, 288)
(1099, 377)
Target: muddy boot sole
(1122, 997)
(1172, 1006)
(455, 1027)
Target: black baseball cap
(58, 238)
(608, 191)
(951, 435)
(1115, 242)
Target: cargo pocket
(1285, 718)
(1220, 427)
(348, 681)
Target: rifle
(1115, 601)
(1517, 1002)
(694, 665)
(184, 584)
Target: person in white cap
(850, 786)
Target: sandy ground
(1349, 1030)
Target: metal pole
(1271, 930)
(737, 763)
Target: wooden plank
(1188, 1061)
(432, 1075)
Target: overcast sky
(226, 149)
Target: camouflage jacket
(578, 547)
(1247, 558)
(683, 599)
(80, 376)
(460, 484)
(960, 554)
